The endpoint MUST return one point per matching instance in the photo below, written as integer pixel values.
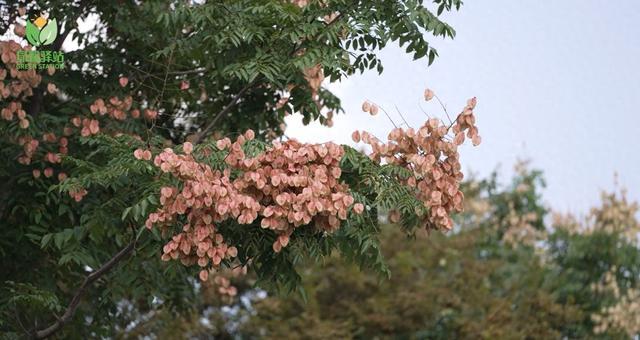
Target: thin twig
(197, 70)
(423, 111)
(224, 111)
(401, 116)
(144, 72)
(444, 108)
(385, 112)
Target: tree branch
(197, 70)
(224, 111)
(75, 301)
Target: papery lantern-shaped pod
(277, 246)
(355, 136)
(284, 240)
(394, 216)
(374, 110)
(428, 94)
(204, 275)
(358, 208)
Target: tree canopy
(170, 82)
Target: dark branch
(75, 301)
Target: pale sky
(557, 82)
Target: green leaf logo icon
(49, 32)
(45, 35)
(33, 34)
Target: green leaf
(49, 32)
(432, 56)
(33, 34)
(58, 239)
(125, 213)
(45, 240)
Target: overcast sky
(558, 82)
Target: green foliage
(579, 261)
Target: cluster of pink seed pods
(296, 184)
(292, 184)
(288, 185)
(16, 85)
(433, 160)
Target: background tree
(578, 278)
(468, 284)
